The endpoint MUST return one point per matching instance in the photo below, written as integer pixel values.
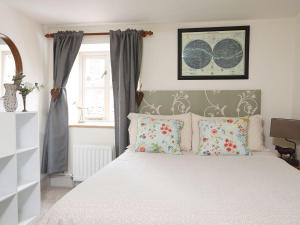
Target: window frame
(4, 53)
(82, 57)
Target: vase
(24, 103)
(10, 98)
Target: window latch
(104, 74)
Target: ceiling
(148, 11)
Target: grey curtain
(55, 151)
(126, 56)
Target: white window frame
(82, 56)
(3, 66)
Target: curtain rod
(145, 34)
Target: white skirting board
(61, 180)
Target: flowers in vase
(24, 88)
(27, 87)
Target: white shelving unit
(19, 168)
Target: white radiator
(88, 159)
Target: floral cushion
(158, 135)
(226, 136)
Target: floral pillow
(226, 136)
(158, 135)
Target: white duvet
(162, 189)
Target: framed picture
(213, 53)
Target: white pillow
(255, 132)
(186, 132)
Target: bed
(165, 189)
(141, 188)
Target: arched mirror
(10, 62)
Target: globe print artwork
(197, 54)
(228, 53)
(213, 53)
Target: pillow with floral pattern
(223, 136)
(158, 135)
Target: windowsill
(101, 124)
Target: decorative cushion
(223, 136)
(255, 132)
(186, 131)
(155, 135)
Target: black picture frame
(246, 44)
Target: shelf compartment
(27, 185)
(19, 168)
(26, 130)
(25, 113)
(28, 167)
(7, 196)
(7, 134)
(8, 211)
(21, 150)
(28, 221)
(8, 177)
(29, 203)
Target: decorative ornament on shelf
(17, 79)
(25, 89)
(10, 98)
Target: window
(7, 67)
(89, 87)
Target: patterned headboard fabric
(216, 103)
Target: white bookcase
(19, 168)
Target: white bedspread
(162, 189)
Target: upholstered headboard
(204, 102)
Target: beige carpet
(50, 195)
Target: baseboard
(45, 181)
(61, 180)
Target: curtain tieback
(139, 95)
(55, 92)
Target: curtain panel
(55, 149)
(126, 49)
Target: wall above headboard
(203, 102)
(269, 71)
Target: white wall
(272, 54)
(296, 93)
(296, 100)
(272, 44)
(28, 37)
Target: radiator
(88, 159)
